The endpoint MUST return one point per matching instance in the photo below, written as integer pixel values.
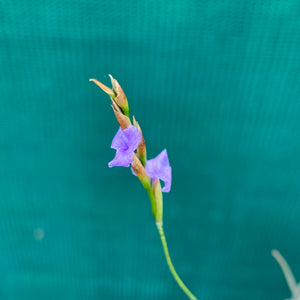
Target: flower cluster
(130, 147)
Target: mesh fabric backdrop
(215, 82)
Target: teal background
(215, 82)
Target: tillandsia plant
(288, 274)
(130, 147)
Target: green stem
(170, 264)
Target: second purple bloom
(159, 167)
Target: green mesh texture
(216, 82)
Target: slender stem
(170, 264)
(288, 274)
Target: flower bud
(116, 94)
(141, 149)
(158, 200)
(120, 98)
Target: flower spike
(130, 147)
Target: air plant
(130, 147)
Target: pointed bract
(139, 170)
(116, 93)
(123, 120)
(141, 149)
(121, 98)
(105, 88)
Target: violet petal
(159, 167)
(133, 136)
(121, 159)
(125, 142)
(119, 141)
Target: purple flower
(125, 142)
(159, 167)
